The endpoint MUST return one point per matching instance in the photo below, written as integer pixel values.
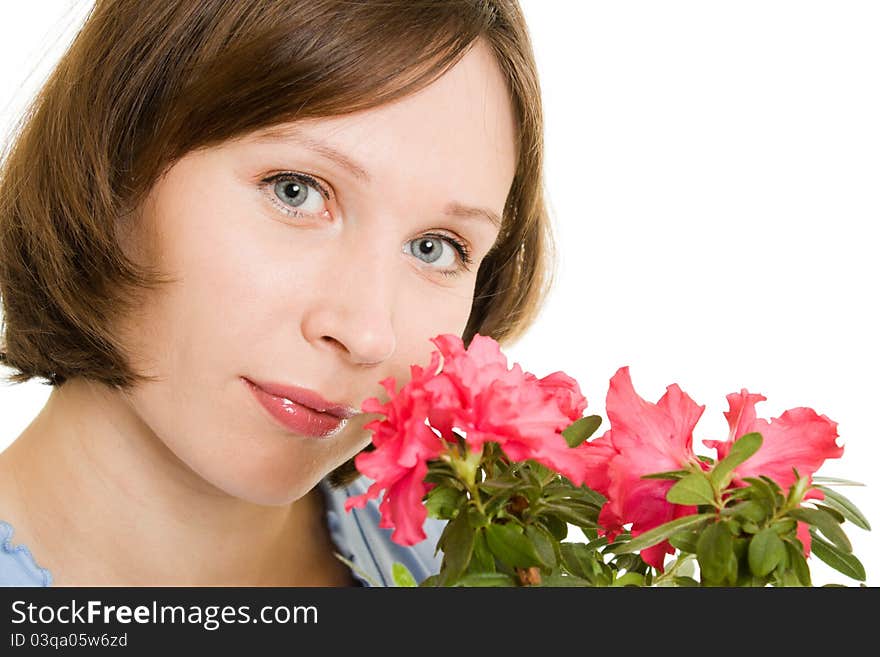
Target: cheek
(224, 279)
(447, 313)
(196, 333)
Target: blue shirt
(356, 535)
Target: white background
(712, 171)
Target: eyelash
(461, 248)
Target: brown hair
(143, 84)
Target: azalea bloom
(398, 464)
(647, 438)
(798, 439)
(644, 438)
(484, 399)
(493, 402)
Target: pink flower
(799, 438)
(481, 397)
(644, 438)
(647, 438)
(490, 402)
(403, 445)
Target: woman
(213, 208)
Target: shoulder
(359, 538)
(17, 565)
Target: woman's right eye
(297, 195)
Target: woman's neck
(101, 501)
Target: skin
(188, 481)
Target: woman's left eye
(299, 195)
(431, 246)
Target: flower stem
(466, 468)
(680, 561)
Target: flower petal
(800, 438)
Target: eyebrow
(453, 208)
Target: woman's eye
(452, 255)
(297, 194)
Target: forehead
(458, 131)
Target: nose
(353, 310)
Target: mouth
(301, 410)
(307, 397)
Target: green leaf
(693, 489)
(787, 578)
(482, 560)
(401, 575)
(686, 563)
(847, 508)
(498, 501)
(533, 476)
(834, 513)
(669, 474)
(439, 470)
(837, 481)
(629, 579)
(430, 580)
(571, 512)
(458, 546)
(543, 543)
(718, 564)
(684, 542)
(558, 528)
(442, 501)
(660, 533)
(741, 449)
(561, 579)
(540, 471)
(510, 546)
(797, 490)
(505, 482)
(740, 545)
(685, 581)
(750, 510)
(486, 579)
(764, 492)
(732, 495)
(476, 519)
(749, 527)
(532, 485)
(578, 559)
(825, 523)
(590, 496)
(784, 526)
(766, 550)
(628, 561)
(558, 491)
(581, 429)
(784, 562)
(798, 563)
(843, 562)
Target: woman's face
(324, 258)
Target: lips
(306, 397)
(297, 417)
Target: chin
(265, 482)
(269, 493)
